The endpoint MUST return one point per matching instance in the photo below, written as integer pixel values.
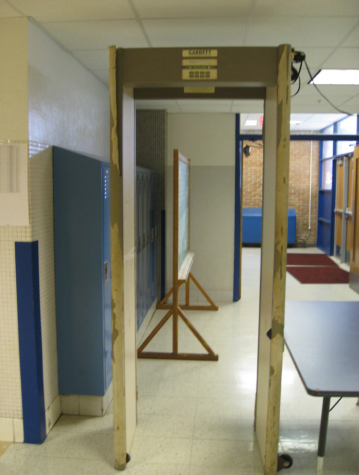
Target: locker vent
(106, 182)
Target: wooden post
(118, 341)
(123, 273)
(273, 262)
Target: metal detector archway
(236, 73)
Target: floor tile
(158, 450)
(196, 417)
(156, 469)
(169, 426)
(174, 406)
(223, 428)
(223, 453)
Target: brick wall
(299, 184)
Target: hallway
(196, 417)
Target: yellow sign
(199, 74)
(199, 53)
(199, 62)
(199, 90)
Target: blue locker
(147, 241)
(82, 273)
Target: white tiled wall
(41, 221)
(86, 405)
(10, 387)
(40, 229)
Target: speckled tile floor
(196, 418)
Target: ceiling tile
(6, 11)
(351, 105)
(353, 39)
(317, 104)
(201, 32)
(313, 107)
(198, 108)
(97, 35)
(170, 106)
(323, 119)
(300, 32)
(343, 58)
(310, 8)
(205, 102)
(331, 92)
(191, 9)
(95, 60)
(239, 107)
(314, 56)
(74, 10)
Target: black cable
(323, 96)
(336, 404)
(299, 85)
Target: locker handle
(106, 271)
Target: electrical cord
(299, 86)
(299, 57)
(323, 96)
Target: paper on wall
(14, 196)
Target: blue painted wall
(30, 341)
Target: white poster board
(14, 196)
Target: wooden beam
(162, 67)
(118, 337)
(239, 93)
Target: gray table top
(323, 340)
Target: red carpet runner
(315, 269)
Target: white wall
(46, 98)
(209, 141)
(13, 126)
(68, 106)
(13, 79)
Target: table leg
(323, 434)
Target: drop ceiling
(326, 30)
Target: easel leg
(154, 332)
(196, 334)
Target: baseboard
(141, 331)
(78, 405)
(11, 430)
(52, 413)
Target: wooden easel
(180, 276)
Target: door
(354, 263)
(326, 204)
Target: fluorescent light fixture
(251, 122)
(344, 77)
